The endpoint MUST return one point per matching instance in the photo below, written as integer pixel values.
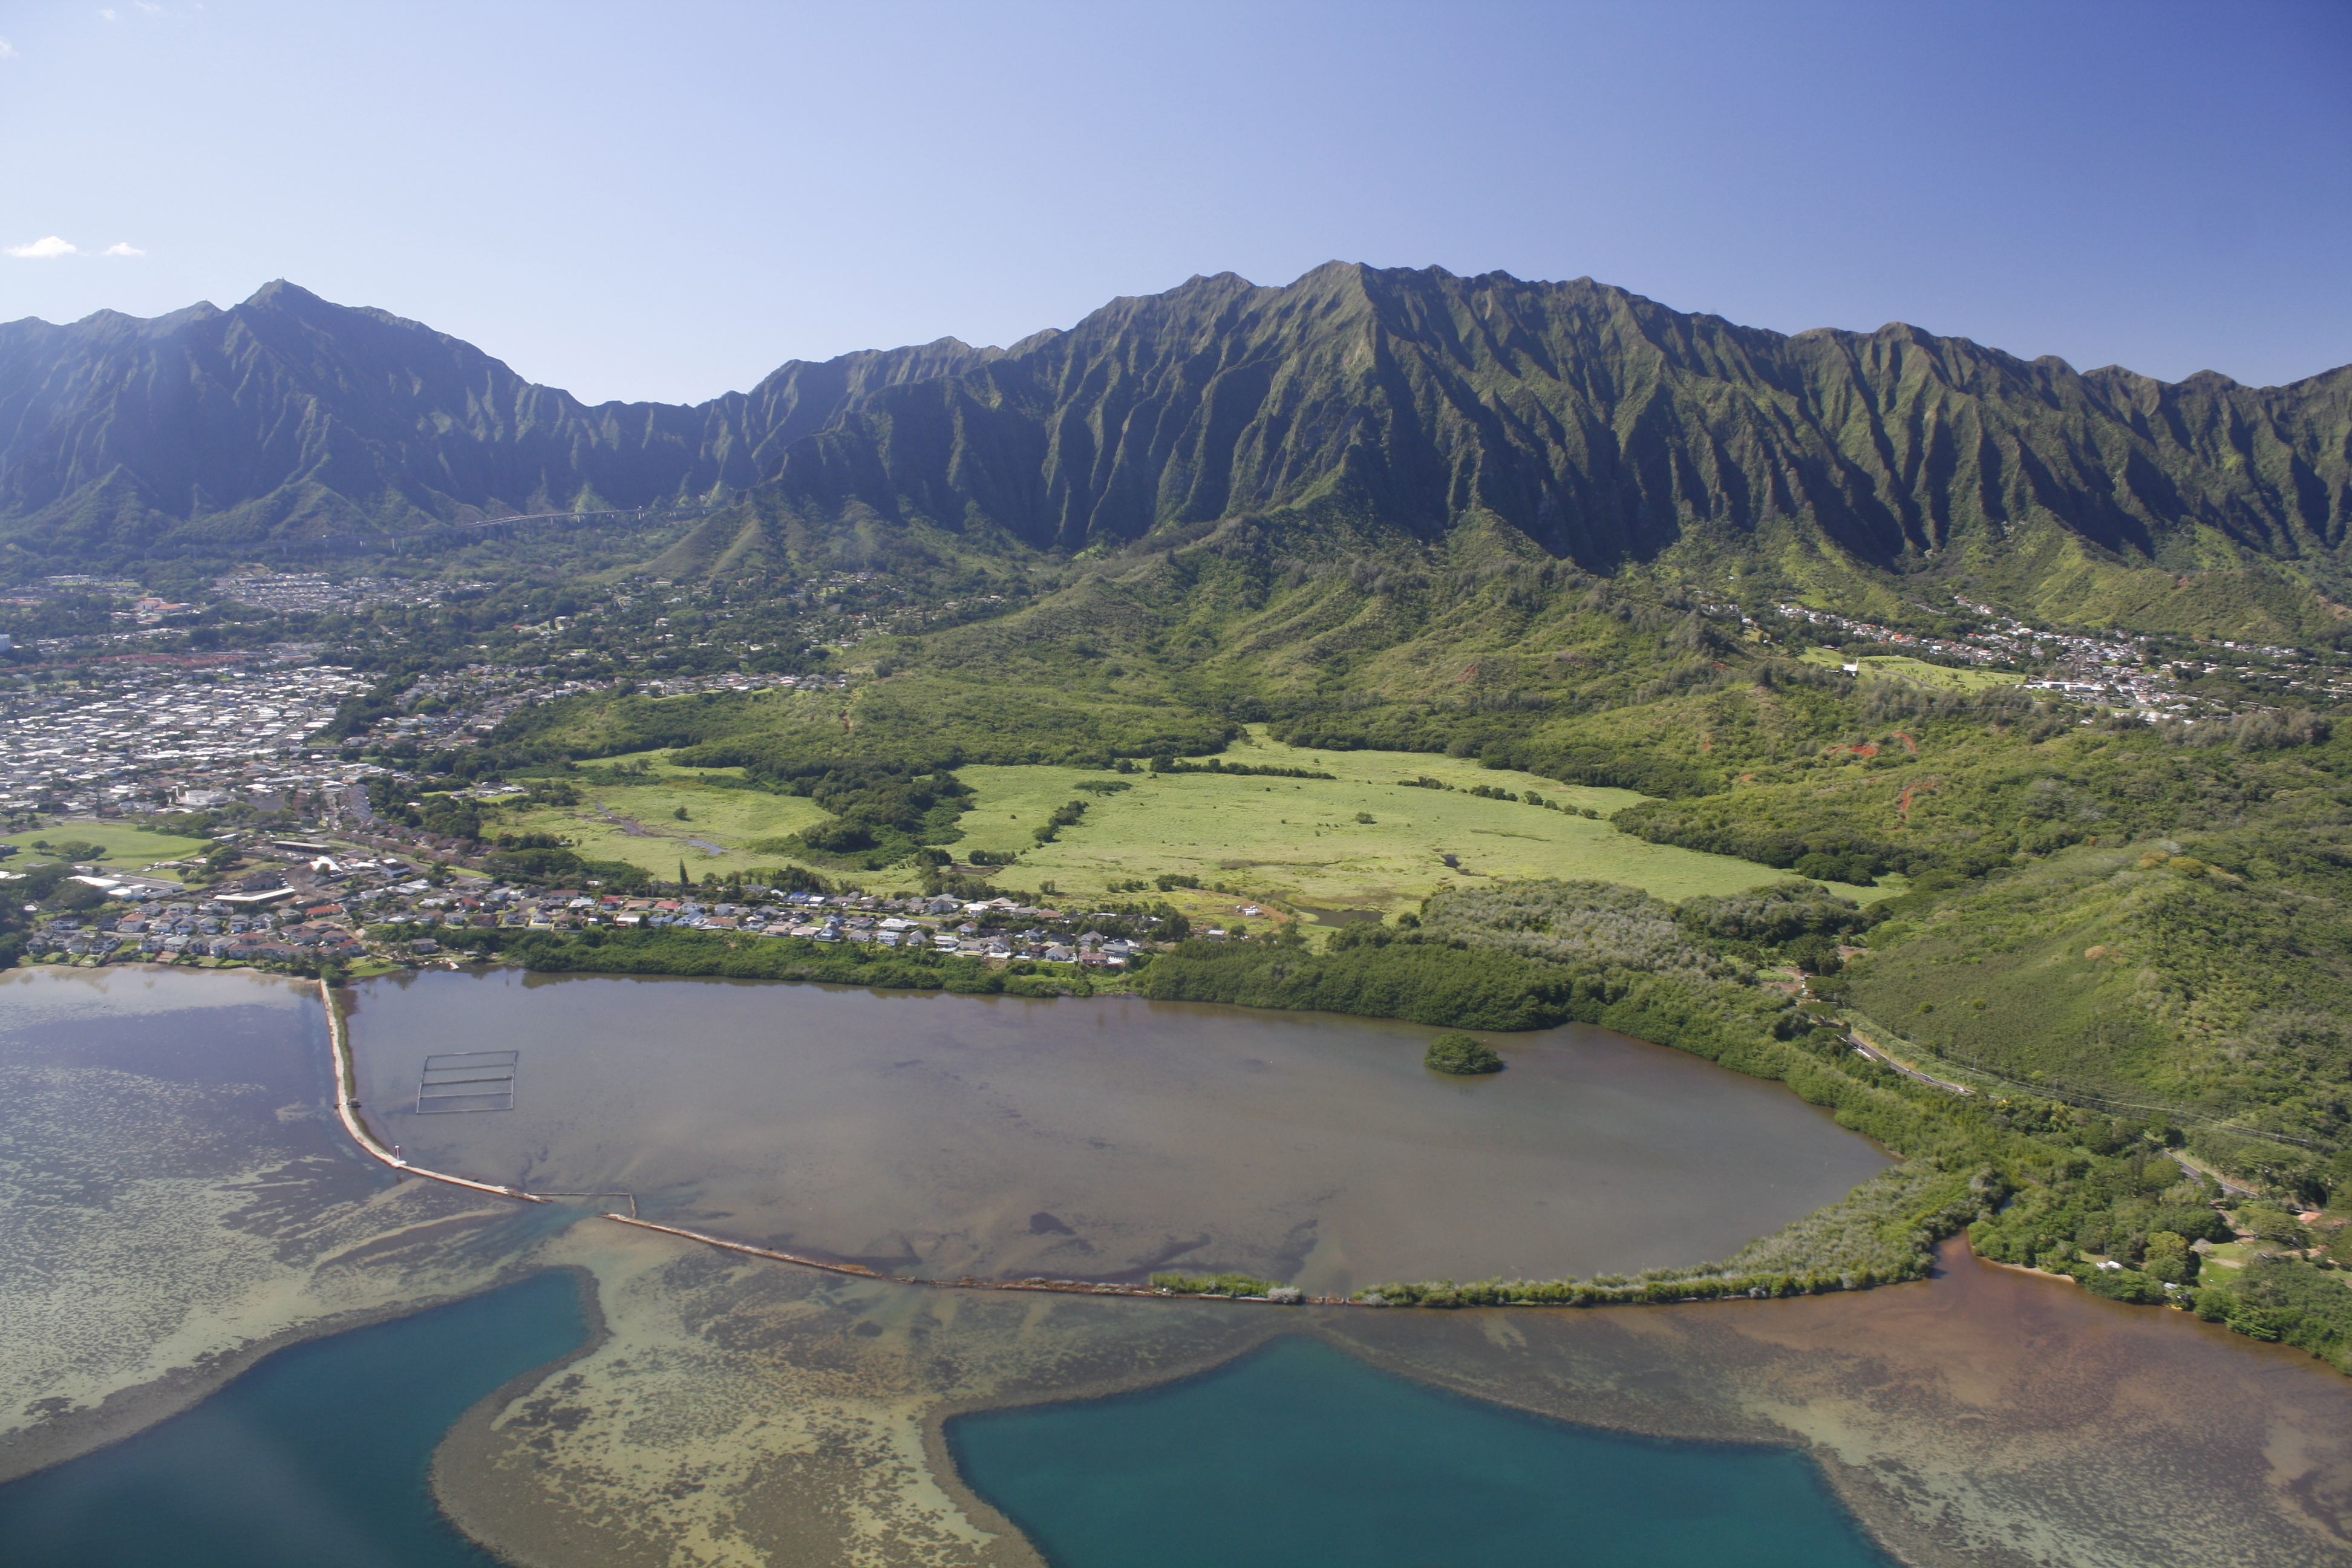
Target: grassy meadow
(1299, 840)
(1919, 672)
(1296, 840)
(127, 846)
(731, 819)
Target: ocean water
(1302, 1454)
(317, 1457)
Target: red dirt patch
(1907, 740)
(1920, 787)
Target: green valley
(1480, 653)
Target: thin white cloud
(43, 250)
(147, 5)
(7, 50)
(106, 13)
(122, 247)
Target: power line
(2069, 1094)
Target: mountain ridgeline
(1356, 403)
(288, 418)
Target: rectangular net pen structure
(468, 1080)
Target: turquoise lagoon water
(1302, 1454)
(317, 1457)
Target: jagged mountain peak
(288, 414)
(282, 293)
(1594, 421)
(1579, 417)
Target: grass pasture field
(127, 846)
(1296, 840)
(637, 822)
(1919, 672)
(1299, 840)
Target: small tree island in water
(1464, 1055)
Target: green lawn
(1896, 667)
(1298, 839)
(128, 848)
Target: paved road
(1866, 1048)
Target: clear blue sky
(668, 200)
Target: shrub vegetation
(1465, 1056)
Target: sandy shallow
(176, 1201)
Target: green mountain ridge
(1356, 410)
(1600, 428)
(287, 416)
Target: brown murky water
(1099, 1139)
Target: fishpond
(1102, 1137)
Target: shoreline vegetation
(692, 953)
(2030, 1179)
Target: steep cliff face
(1604, 427)
(288, 415)
(1602, 424)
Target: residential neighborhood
(194, 730)
(2130, 673)
(310, 902)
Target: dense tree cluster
(1226, 1284)
(1461, 1055)
(1596, 927)
(666, 952)
(881, 809)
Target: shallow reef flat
(750, 1414)
(1985, 1418)
(175, 1201)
